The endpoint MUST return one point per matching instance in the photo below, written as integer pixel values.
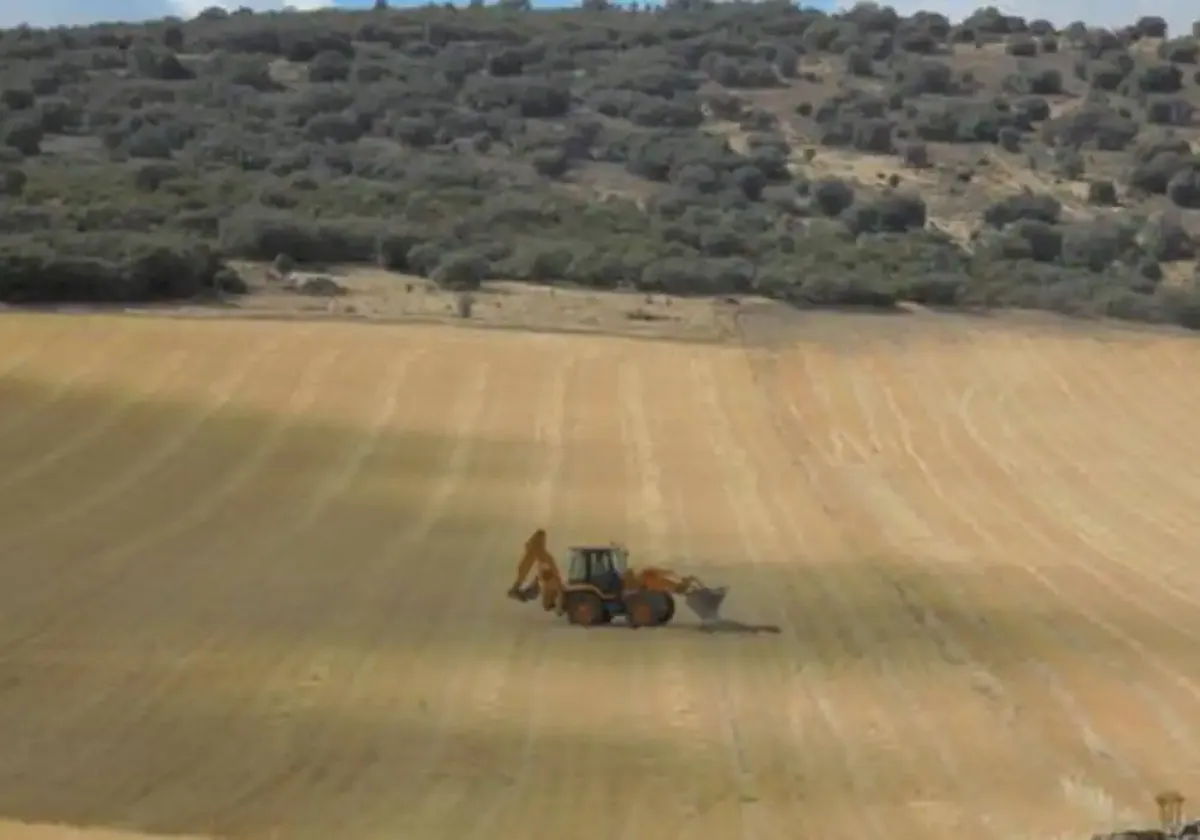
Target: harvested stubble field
(252, 580)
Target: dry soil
(252, 579)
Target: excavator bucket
(705, 602)
(525, 593)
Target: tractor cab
(603, 567)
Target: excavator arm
(547, 581)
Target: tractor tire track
(94, 430)
(1138, 654)
(149, 464)
(646, 515)
(110, 699)
(95, 362)
(454, 776)
(862, 518)
(1107, 516)
(529, 808)
(1033, 497)
(312, 773)
(274, 562)
(931, 535)
(1008, 506)
(852, 723)
(969, 583)
(778, 798)
(579, 713)
(526, 665)
(422, 759)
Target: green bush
(104, 269)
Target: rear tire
(584, 608)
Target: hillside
(860, 159)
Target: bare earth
(252, 577)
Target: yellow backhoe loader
(600, 586)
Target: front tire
(668, 608)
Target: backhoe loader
(600, 586)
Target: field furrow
(877, 559)
(971, 605)
(1045, 731)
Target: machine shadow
(721, 627)
(912, 613)
(897, 610)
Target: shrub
(1009, 139)
(1159, 78)
(12, 181)
(23, 134)
(1102, 193)
(1150, 26)
(1097, 127)
(1045, 82)
(59, 115)
(1032, 109)
(750, 180)
(858, 62)
(1091, 246)
(1069, 163)
(1166, 239)
(460, 271)
(831, 196)
(263, 236)
(895, 212)
(1103, 75)
(551, 163)
(151, 176)
(1044, 240)
(17, 99)
(149, 142)
(1184, 189)
(1153, 175)
(874, 136)
(1022, 45)
(1031, 206)
(1180, 50)
(104, 269)
(924, 76)
(332, 128)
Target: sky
(1178, 13)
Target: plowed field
(252, 579)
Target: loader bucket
(706, 602)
